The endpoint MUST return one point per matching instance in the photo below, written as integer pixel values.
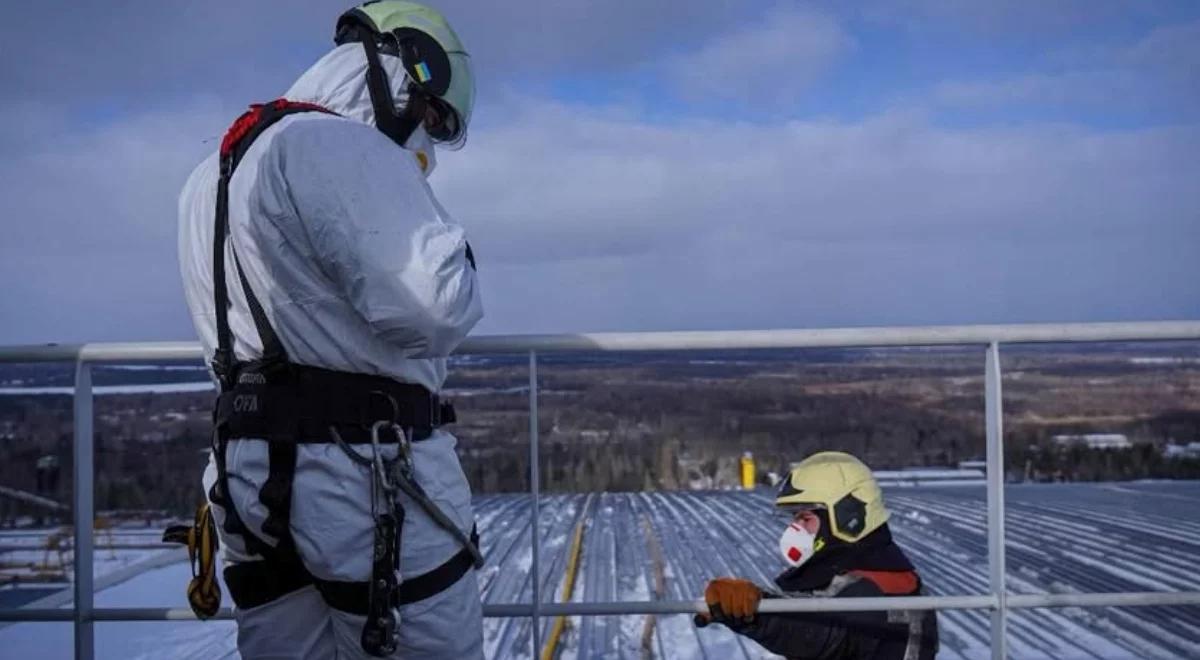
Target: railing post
(534, 490)
(84, 511)
(994, 417)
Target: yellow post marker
(747, 464)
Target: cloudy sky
(656, 165)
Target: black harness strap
(219, 494)
(272, 349)
(427, 585)
(222, 361)
(257, 583)
(277, 491)
(398, 127)
(234, 146)
(352, 597)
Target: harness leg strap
(351, 597)
(255, 583)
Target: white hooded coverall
(358, 269)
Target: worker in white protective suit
(328, 285)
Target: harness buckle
(222, 366)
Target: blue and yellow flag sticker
(422, 70)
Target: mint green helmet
(437, 64)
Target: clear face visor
(441, 121)
(459, 101)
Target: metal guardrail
(999, 600)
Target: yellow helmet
(843, 486)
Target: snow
(1163, 360)
(917, 516)
(480, 391)
(1061, 538)
(140, 640)
(23, 552)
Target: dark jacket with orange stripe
(875, 566)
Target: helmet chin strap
(398, 127)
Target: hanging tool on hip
(203, 592)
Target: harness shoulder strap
(234, 146)
(236, 142)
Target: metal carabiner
(391, 400)
(377, 462)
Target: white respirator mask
(421, 145)
(797, 544)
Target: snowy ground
(1079, 537)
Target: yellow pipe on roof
(560, 623)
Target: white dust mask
(796, 544)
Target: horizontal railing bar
(68, 547)
(834, 337)
(773, 605)
(41, 352)
(950, 335)
(1126, 599)
(157, 614)
(167, 350)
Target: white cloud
(242, 50)
(1015, 17)
(1156, 72)
(772, 62)
(584, 220)
(1115, 88)
(112, 188)
(589, 218)
(561, 181)
(1173, 49)
(90, 226)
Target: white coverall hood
(338, 82)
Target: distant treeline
(662, 425)
(1030, 455)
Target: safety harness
(288, 404)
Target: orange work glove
(733, 598)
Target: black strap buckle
(222, 366)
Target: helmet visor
(460, 97)
(441, 121)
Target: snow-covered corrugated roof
(640, 546)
